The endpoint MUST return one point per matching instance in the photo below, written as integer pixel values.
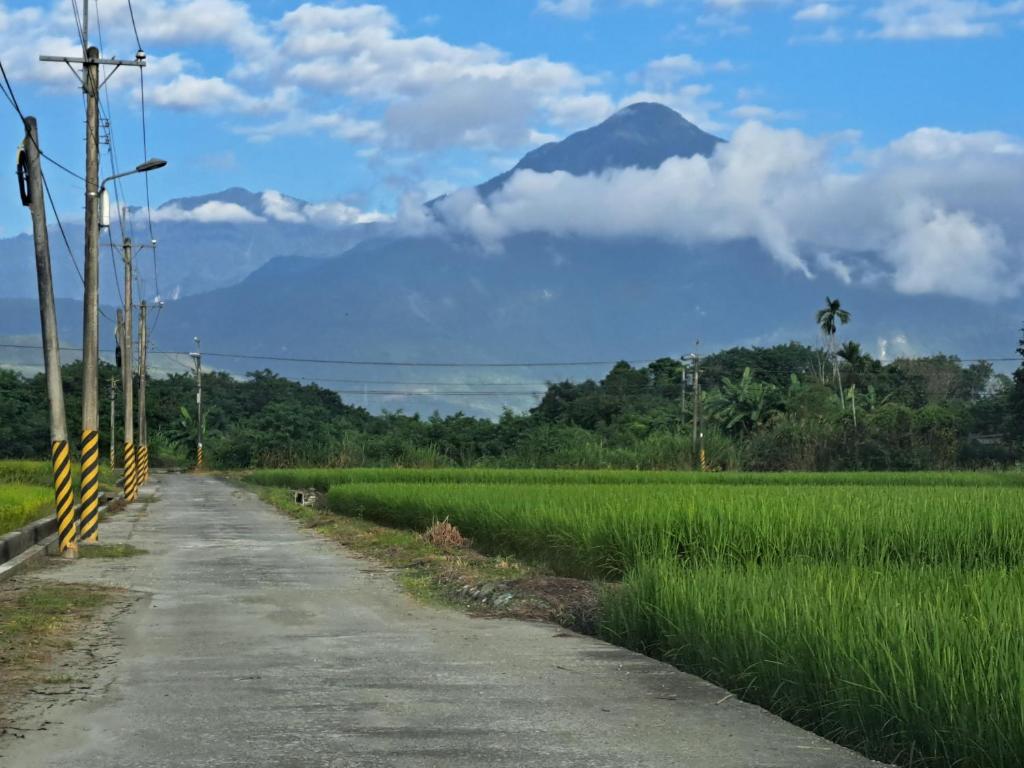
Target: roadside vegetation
(26, 491)
(885, 615)
(790, 407)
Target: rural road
(255, 643)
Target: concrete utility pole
(142, 463)
(90, 446)
(698, 411)
(128, 378)
(197, 357)
(64, 496)
(113, 416)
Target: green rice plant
(922, 666)
(21, 504)
(25, 472)
(324, 478)
(600, 531)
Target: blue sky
(373, 104)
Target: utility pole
(197, 357)
(113, 417)
(142, 464)
(128, 378)
(64, 496)
(698, 426)
(90, 446)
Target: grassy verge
(109, 550)
(494, 585)
(38, 621)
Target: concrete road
(255, 643)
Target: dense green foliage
(882, 611)
(771, 409)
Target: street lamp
(144, 167)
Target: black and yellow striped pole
(128, 378)
(130, 479)
(64, 497)
(31, 177)
(89, 509)
(142, 448)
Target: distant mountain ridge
(383, 296)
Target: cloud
(928, 19)
(818, 12)
(331, 214)
(213, 212)
(434, 93)
(574, 9)
(214, 94)
(934, 209)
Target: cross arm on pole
(106, 62)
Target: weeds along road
(255, 643)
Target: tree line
(785, 407)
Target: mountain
(642, 135)
(445, 298)
(204, 242)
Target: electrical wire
(390, 363)
(482, 365)
(131, 13)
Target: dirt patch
(41, 621)
(433, 566)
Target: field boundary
(21, 547)
(14, 543)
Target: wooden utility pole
(142, 463)
(64, 498)
(90, 446)
(128, 378)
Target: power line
(131, 13)
(488, 365)
(390, 363)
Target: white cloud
(574, 9)
(936, 209)
(213, 212)
(214, 94)
(331, 214)
(927, 19)
(435, 93)
(819, 12)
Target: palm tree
(828, 318)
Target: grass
(32, 619)
(21, 504)
(109, 550)
(883, 611)
(26, 491)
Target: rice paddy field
(883, 611)
(26, 491)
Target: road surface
(251, 642)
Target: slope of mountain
(643, 135)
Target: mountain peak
(641, 135)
